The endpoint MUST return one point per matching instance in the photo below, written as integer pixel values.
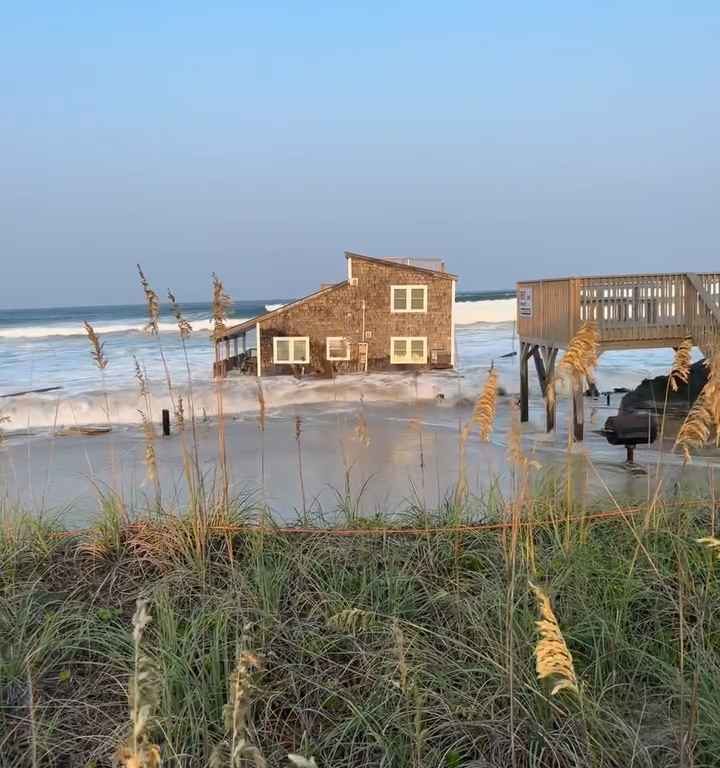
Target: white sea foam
(273, 307)
(239, 395)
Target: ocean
(48, 349)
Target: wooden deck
(631, 312)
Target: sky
(514, 140)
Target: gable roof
(404, 264)
(247, 325)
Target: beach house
(388, 314)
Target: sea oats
(680, 370)
(221, 303)
(97, 347)
(302, 762)
(153, 305)
(703, 420)
(712, 544)
(484, 410)
(552, 657)
(579, 360)
(151, 469)
(138, 751)
(183, 325)
(516, 455)
(236, 748)
(180, 414)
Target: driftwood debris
(87, 431)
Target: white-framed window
(337, 348)
(292, 350)
(408, 350)
(408, 298)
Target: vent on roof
(354, 282)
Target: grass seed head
(712, 544)
(138, 751)
(220, 306)
(153, 305)
(703, 420)
(680, 371)
(97, 347)
(183, 325)
(579, 360)
(552, 656)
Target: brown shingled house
(389, 314)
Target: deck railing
(630, 310)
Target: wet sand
(408, 454)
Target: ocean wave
(466, 313)
(57, 410)
(103, 329)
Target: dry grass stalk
(352, 620)
(552, 656)
(142, 381)
(362, 434)
(703, 421)
(183, 325)
(138, 751)
(712, 544)
(579, 360)
(180, 414)
(262, 410)
(680, 371)
(302, 762)
(97, 347)
(483, 416)
(485, 409)
(150, 454)
(516, 455)
(153, 305)
(401, 656)
(236, 748)
(220, 305)
(3, 420)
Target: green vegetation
(408, 649)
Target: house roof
(247, 325)
(405, 264)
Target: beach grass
(368, 648)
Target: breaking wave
(239, 396)
(103, 329)
(466, 313)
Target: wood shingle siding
(361, 310)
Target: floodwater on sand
(394, 455)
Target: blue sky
(514, 140)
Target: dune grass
(368, 650)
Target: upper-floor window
(337, 348)
(408, 298)
(291, 350)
